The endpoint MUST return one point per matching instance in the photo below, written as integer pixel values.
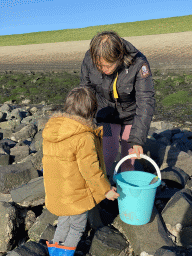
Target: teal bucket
(137, 196)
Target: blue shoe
(51, 248)
(62, 250)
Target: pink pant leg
(111, 136)
(126, 149)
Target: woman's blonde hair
(109, 46)
(81, 101)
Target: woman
(121, 78)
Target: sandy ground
(165, 51)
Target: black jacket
(136, 102)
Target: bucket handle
(142, 156)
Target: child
(73, 168)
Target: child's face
(106, 67)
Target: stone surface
(144, 237)
(25, 133)
(19, 152)
(30, 194)
(108, 241)
(8, 226)
(30, 248)
(39, 227)
(12, 176)
(179, 209)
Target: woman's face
(106, 67)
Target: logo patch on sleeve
(145, 72)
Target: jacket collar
(98, 131)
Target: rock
(174, 177)
(8, 125)
(161, 125)
(15, 114)
(15, 175)
(6, 133)
(179, 209)
(2, 116)
(5, 198)
(166, 156)
(26, 101)
(8, 143)
(48, 233)
(38, 140)
(28, 120)
(4, 159)
(184, 237)
(26, 132)
(108, 241)
(42, 222)
(6, 108)
(171, 251)
(30, 194)
(33, 110)
(145, 237)
(41, 122)
(37, 160)
(8, 227)
(19, 152)
(30, 219)
(30, 248)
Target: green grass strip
(139, 28)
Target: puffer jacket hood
(57, 129)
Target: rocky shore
(26, 224)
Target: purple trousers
(115, 136)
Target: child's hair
(81, 101)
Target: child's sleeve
(89, 168)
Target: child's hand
(111, 194)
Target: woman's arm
(145, 105)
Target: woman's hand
(111, 194)
(137, 150)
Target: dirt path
(165, 51)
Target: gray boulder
(179, 209)
(28, 120)
(15, 114)
(2, 116)
(30, 194)
(19, 152)
(15, 175)
(145, 238)
(108, 241)
(36, 159)
(4, 159)
(30, 248)
(38, 141)
(26, 132)
(8, 227)
(5, 108)
(9, 125)
(42, 222)
(41, 122)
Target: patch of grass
(179, 97)
(173, 97)
(51, 88)
(139, 28)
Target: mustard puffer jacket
(73, 165)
